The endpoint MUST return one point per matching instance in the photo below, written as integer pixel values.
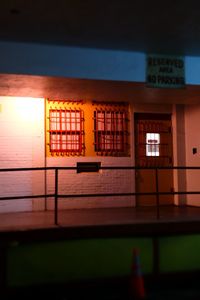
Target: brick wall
(104, 181)
(21, 145)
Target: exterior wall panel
(21, 146)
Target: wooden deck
(134, 221)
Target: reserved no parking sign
(165, 71)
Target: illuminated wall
(24, 141)
(21, 145)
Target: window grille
(110, 132)
(66, 131)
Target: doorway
(153, 148)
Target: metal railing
(56, 195)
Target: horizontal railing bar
(128, 194)
(26, 197)
(103, 168)
(150, 168)
(28, 169)
(99, 195)
(133, 168)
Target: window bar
(109, 140)
(108, 133)
(120, 128)
(55, 139)
(100, 125)
(97, 130)
(54, 135)
(53, 129)
(50, 122)
(74, 132)
(60, 129)
(73, 139)
(50, 129)
(55, 122)
(126, 130)
(65, 140)
(123, 137)
(118, 132)
(69, 141)
(109, 143)
(102, 131)
(112, 132)
(105, 130)
(81, 132)
(115, 130)
(105, 127)
(120, 118)
(75, 142)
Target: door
(153, 148)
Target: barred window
(66, 131)
(110, 132)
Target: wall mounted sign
(165, 71)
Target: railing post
(157, 196)
(56, 198)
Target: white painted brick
(105, 181)
(21, 146)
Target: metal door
(153, 148)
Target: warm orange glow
(88, 107)
(88, 110)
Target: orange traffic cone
(137, 290)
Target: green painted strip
(66, 261)
(180, 253)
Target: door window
(152, 144)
